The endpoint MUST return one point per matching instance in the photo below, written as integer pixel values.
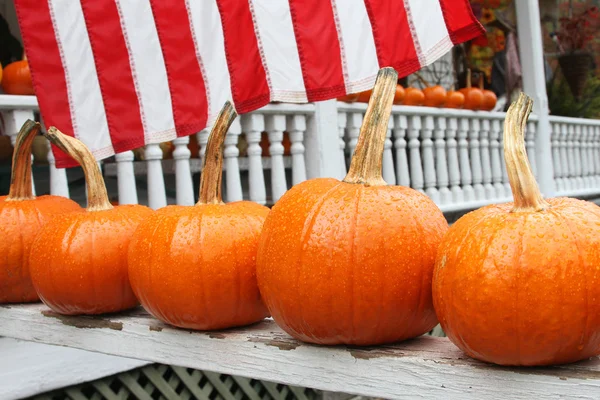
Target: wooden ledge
(426, 367)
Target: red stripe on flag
(393, 39)
(111, 58)
(249, 85)
(460, 21)
(46, 68)
(319, 48)
(186, 83)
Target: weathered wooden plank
(426, 367)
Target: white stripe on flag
(430, 26)
(358, 44)
(206, 26)
(89, 118)
(148, 70)
(274, 25)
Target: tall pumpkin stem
(96, 189)
(212, 170)
(20, 179)
(365, 167)
(526, 193)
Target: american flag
(120, 74)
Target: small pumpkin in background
(265, 144)
(363, 97)
(455, 99)
(351, 262)
(435, 96)
(518, 283)
(21, 217)
(349, 98)
(414, 97)
(473, 95)
(195, 267)
(489, 98)
(400, 94)
(78, 262)
(16, 78)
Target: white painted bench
(426, 367)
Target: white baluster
(126, 178)
(596, 156)
(202, 138)
(184, 187)
(505, 181)
(231, 155)
(414, 146)
(475, 147)
(353, 128)
(157, 196)
(556, 160)
(571, 156)
(564, 156)
(402, 171)
(342, 120)
(453, 165)
(466, 177)
(296, 127)
(254, 124)
(486, 165)
(495, 159)
(577, 146)
(441, 166)
(389, 175)
(428, 160)
(59, 185)
(275, 127)
(585, 166)
(13, 121)
(530, 146)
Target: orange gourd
(16, 78)
(21, 217)
(363, 97)
(195, 267)
(78, 261)
(351, 262)
(349, 98)
(400, 94)
(473, 95)
(435, 96)
(518, 283)
(489, 98)
(454, 99)
(414, 97)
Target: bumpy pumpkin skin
(343, 263)
(195, 267)
(87, 253)
(20, 221)
(522, 288)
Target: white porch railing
(454, 156)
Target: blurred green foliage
(562, 102)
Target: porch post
(534, 84)
(322, 142)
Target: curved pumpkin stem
(96, 189)
(366, 165)
(20, 179)
(526, 193)
(212, 170)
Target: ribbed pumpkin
(351, 262)
(489, 98)
(16, 78)
(473, 95)
(519, 283)
(78, 261)
(21, 217)
(454, 99)
(414, 97)
(435, 96)
(195, 267)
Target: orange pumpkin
(489, 98)
(363, 97)
(435, 96)
(400, 94)
(349, 98)
(16, 78)
(518, 283)
(473, 95)
(195, 267)
(351, 262)
(21, 217)
(414, 97)
(0, 72)
(78, 261)
(455, 99)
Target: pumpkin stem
(96, 189)
(469, 82)
(527, 195)
(20, 179)
(366, 164)
(212, 170)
